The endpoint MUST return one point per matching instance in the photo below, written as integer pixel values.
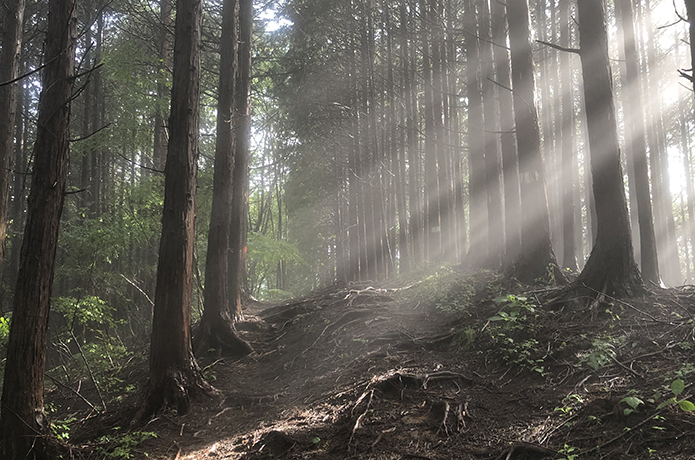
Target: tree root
(220, 336)
(176, 389)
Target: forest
(364, 229)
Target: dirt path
(450, 368)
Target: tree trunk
(242, 131)
(457, 217)
(634, 120)
(23, 423)
(478, 253)
(414, 205)
(175, 377)
(690, 8)
(493, 167)
(9, 69)
(510, 164)
(611, 268)
(569, 161)
(536, 259)
(216, 330)
(431, 203)
(160, 138)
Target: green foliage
(511, 331)
(518, 307)
(61, 428)
(88, 311)
(121, 446)
(91, 323)
(569, 404)
(633, 403)
(677, 387)
(601, 353)
(265, 253)
(445, 289)
(5, 328)
(568, 452)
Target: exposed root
(175, 390)
(221, 336)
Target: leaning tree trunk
(9, 69)
(536, 257)
(23, 423)
(611, 268)
(216, 329)
(174, 374)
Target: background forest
(383, 143)
(355, 106)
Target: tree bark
(638, 149)
(242, 132)
(611, 268)
(478, 253)
(493, 166)
(216, 330)
(175, 377)
(510, 163)
(160, 138)
(431, 203)
(569, 160)
(9, 70)
(23, 423)
(536, 259)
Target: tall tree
(536, 255)
(9, 69)
(569, 161)
(611, 267)
(174, 374)
(242, 132)
(478, 254)
(510, 166)
(216, 328)
(23, 423)
(638, 149)
(159, 143)
(493, 167)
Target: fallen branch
(77, 393)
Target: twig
(621, 302)
(559, 48)
(83, 138)
(89, 370)
(132, 283)
(629, 369)
(77, 393)
(317, 339)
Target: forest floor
(455, 365)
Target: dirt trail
(449, 369)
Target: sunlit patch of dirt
(456, 366)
